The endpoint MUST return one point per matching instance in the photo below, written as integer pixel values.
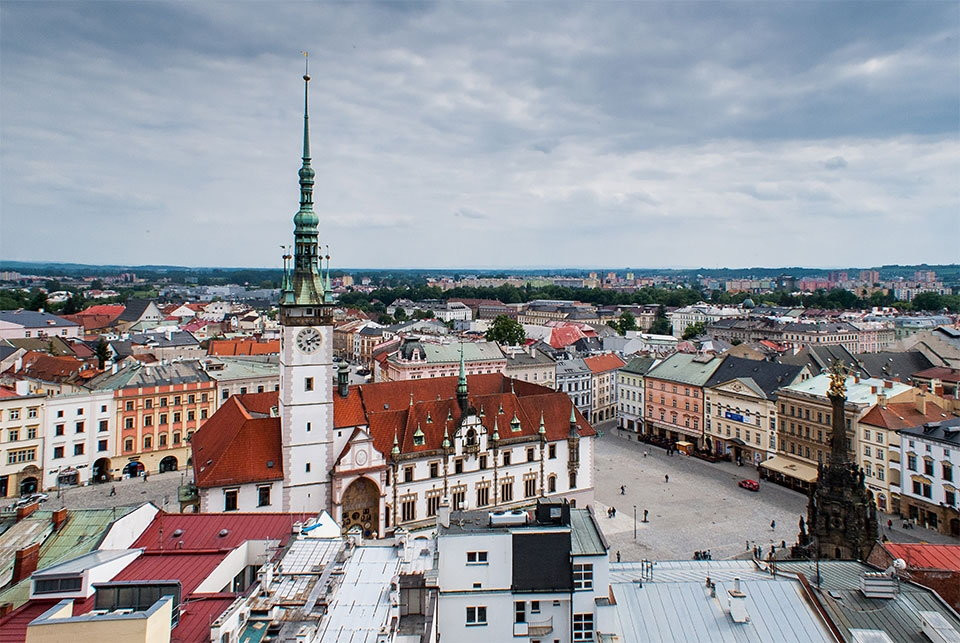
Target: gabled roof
(34, 319)
(134, 310)
(235, 444)
(228, 347)
(767, 376)
(202, 531)
(53, 345)
(902, 415)
(604, 363)
(686, 369)
(139, 375)
(48, 368)
(937, 372)
(112, 310)
(889, 364)
(239, 443)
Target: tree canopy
(507, 331)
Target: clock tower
(306, 355)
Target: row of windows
(164, 418)
(686, 405)
(946, 468)
(13, 435)
(675, 389)
(231, 498)
(80, 427)
(148, 403)
(43, 333)
(21, 455)
(128, 443)
(482, 463)
(225, 393)
(14, 414)
(103, 409)
(78, 449)
(582, 623)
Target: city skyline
(477, 135)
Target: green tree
(422, 314)
(102, 351)
(627, 322)
(73, 305)
(38, 300)
(928, 301)
(661, 325)
(694, 330)
(400, 314)
(508, 331)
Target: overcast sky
(468, 134)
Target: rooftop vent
(878, 585)
(177, 533)
(270, 464)
(223, 532)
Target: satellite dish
(900, 564)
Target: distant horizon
(12, 266)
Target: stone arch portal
(360, 506)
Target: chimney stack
(443, 513)
(25, 562)
(738, 603)
(882, 401)
(59, 517)
(921, 400)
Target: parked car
(30, 499)
(750, 485)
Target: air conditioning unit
(508, 518)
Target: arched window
(552, 484)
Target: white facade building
(80, 438)
(521, 576)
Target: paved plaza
(159, 488)
(700, 508)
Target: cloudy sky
(467, 134)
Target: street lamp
(634, 522)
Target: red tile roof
(103, 309)
(563, 336)
(604, 363)
(243, 443)
(237, 444)
(939, 373)
(49, 368)
(926, 556)
(902, 415)
(243, 347)
(13, 626)
(197, 616)
(189, 568)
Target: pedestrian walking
(773, 525)
(618, 555)
(889, 524)
(623, 490)
(145, 474)
(645, 512)
(113, 490)
(666, 477)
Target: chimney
(59, 517)
(22, 387)
(26, 510)
(443, 513)
(25, 562)
(882, 401)
(887, 384)
(738, 603)
(873, 390)
(921, 400)
(18, 364)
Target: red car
(750, 485)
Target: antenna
(306, 64)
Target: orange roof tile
(902, 415)
(925, 556)
(243, 347)
(604, 363)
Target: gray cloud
(633, 121)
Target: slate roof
(639, 365)
(768, 376)
(820, 358)
(945, 431)
(34, 319)
(134, 310)
(450, 353)
(161, 340)
(138, 375)
(686, 369)
(889, 364)
(56, 346)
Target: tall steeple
(462, 399)
(305, 287)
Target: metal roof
(34, 319)
(86, 561)
(585, 536)
(694, 370)
(841, 596)
(685, 612)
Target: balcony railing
(541, 627)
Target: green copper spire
(305, 287)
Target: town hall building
(379, 456)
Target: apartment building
(21, 441)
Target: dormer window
(418, 439)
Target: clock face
(308, 340)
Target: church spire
(462, 385)
(305, 287)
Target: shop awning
(791, 468)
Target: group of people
(612, 512)
(702, 555)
